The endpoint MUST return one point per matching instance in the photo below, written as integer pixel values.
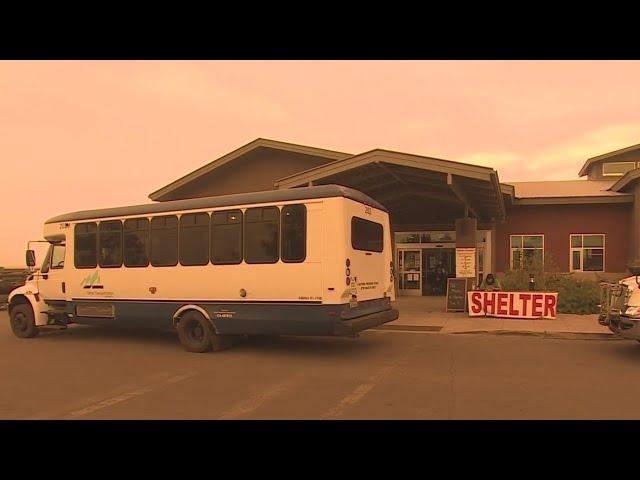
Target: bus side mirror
(31, 258)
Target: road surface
(98, 373)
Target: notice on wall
(465, 262)
(513, 304)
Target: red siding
(557, 222)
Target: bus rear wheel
(23, 322)
(197, 335)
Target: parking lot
(98, 373)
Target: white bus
(304, 261)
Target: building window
(527, 252)
(164, 241)
(366, 235)
(587, 253)
(294, 233)
(86, 245)
(110, 240)
(407, 237)
(261, 232)
(226, 237)
(194, 239)
(136, 242)
(617, 169)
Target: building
(590, 226)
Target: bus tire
(23, 322)
(197, 335)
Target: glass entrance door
(439, 265)
(410, 272)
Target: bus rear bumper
(348, 328)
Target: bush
(574, 295)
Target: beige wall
(257, 170)
(595, 171)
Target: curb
(544, 334)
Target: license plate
(353, 303)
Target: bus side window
(194, 239)
(294, 233)
(366, 235)
(110, 242)
(136, 242)
(226, 237)
(57, 257)
(261, 234)
(85, 245)
(47, 260)
(164, 241)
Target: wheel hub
(20, 321)
(196, 332)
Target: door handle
(45, 276)
(64, 290)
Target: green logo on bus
(91, 279)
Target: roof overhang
(574, 200)
(625, 182)
(258, 143)
(587, 165)
(405, 182)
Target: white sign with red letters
(513, 304)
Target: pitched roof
(257, 143)
(626, 180)
(566, 191)
(587, 165)
(476, 186)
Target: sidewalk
(426, 314)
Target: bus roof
(303, 193)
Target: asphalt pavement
(99, 373)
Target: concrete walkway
(428, 314)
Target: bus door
(51, 281)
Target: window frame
(208, 242)
(244, 231)
(211, 236)
(582, 248)
(75, 246)
(121, 243)
(635, 165)
(353, 219)
(177, 228)
(57, 245)
(147, 244)
(522, 235)
(304, 229)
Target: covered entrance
(425, 271)
(428, 200)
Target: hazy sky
(76, 135)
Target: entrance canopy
(415, 189)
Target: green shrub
(574, 295)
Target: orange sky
(77, 135)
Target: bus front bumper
(626, 327)
(351, 327)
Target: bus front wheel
(23, 322)
(197, 335)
